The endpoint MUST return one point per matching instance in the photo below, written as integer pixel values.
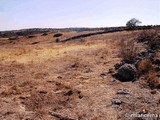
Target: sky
(21, 14)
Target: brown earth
(44, 80)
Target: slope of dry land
(44, 80)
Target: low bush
(128, 49)
(153, 80)
(152, 38)
(144, 67)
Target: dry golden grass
(25, 55)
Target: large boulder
(127, 72)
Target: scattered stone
(69, 93)
(157, 61)
(147, 100)
(127, 72)
(117, 102)
(144, 111)
(59, 77)
(151, 56)
(24, 96)
(123, 91)
(73, 65)
(35, 43)
(78, 91)
(31, 36)
(44, 34)
(157, 68)
(118, 65)
(58, 35)
(151, 51)
(136, 63)
(142, 54)
(43, 92)
(80, 96)
(13, 38)
(138, 58)
(111, 70)
(126, 61)
(103, 75)
(153, 92)
(58, 92)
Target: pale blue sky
(19, 14)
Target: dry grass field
(41, 79)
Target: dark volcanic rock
(44, 34)
(116, 102)
(13, 38)
(151, 56)
(104, 74)
(35, 43)
(31, 36)
(127, 72)
(151, 51)
(157, 61)
(118, 65)
(58, 35)
(123, 91)
(142, 54)
(111, 71)
(157, 68)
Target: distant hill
(25, 32)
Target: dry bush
(128, 49)
(152, 80)
(152, 37)
(145, 66)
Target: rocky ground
(44, 79)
